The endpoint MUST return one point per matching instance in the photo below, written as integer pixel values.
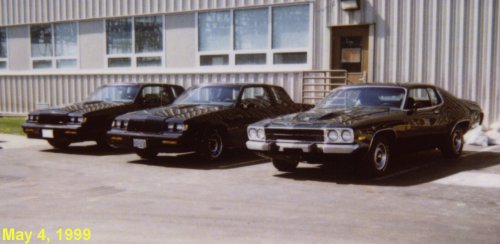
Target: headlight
(181, 127)
(125, 124)
(347, 135)
(333, 135)
(81, 119)
(113, 124)
(252, 133)
(256, 134)
(170, 126)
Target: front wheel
(454, 144)
(146, 154)
(59, 144)
(285, 165)
(379, 158)
(212, 146)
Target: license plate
(140, 143)
(47, 133)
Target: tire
(285, 165)
(379, 158)
(146, 154)
(59, 144)
(212, 146)
(454, 144)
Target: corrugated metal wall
(17, 12)
(20, 94)
(451, 43)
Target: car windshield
(219, 95)
(123, 94)
(354, 97)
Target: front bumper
(67, 132)
(170, 143)
(318, 148)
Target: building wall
(451, 43)
(180, 31)
(19, 48)
(92, 44)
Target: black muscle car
(367, 123)
(206, 119)
(91, 119)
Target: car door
(423, 118)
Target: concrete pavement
(243, 199)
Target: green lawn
(11, 125)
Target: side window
(421, 96)
(280, 96)
(155, 96)
(433, 96)
(257, 96)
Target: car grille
(295, 135)
(152, 126)
(53, 119)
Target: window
(260, 36)
(3, 48)
(214, 31)
(425, 97)
(135, 42)
(257, 96)
(155, 96)
(54, 45)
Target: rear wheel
(379, 157)
(146, 154)
(285, 165)
(59, 144)
(212, 146)
(454, 144)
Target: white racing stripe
(475, 179)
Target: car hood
(334, 117)
(183, 112)
(83, 108)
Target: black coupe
(206, 119)
(367, 123)
(91, 119)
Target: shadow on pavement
(408, 170)
(91, 150)
(232, 159)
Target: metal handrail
(321, 81)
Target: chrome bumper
(304, 147)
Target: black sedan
(206, 119)
(91, 119)
(367, 123)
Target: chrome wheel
(380, 156)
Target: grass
(11, 125)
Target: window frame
(133, 55)
(53, 58)
(6, 58)
(269, 51)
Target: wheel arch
(387, 133)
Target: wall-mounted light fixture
(350, 5)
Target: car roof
(407, 85)
(235, 84)
(137, 84)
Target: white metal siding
(450, 43)
(20, 94)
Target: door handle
(436, 111)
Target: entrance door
(350, 51)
